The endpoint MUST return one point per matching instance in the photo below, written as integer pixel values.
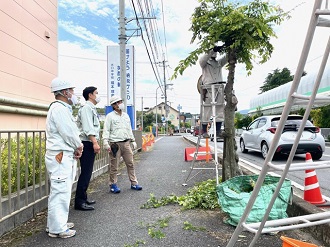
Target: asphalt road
(255, 158)
(118, 220)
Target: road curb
(298, 207)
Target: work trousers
(86, 170)
(209, 103)
(125, 151)
(61, 177)
(217, 126)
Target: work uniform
(117, 130)
(62, 140)
(89, 125)
(212, 74)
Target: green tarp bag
(234, 194)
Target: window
(253, 125)
(262, 122)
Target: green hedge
(26, 159)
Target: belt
(124, 140)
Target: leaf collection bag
(234, 194)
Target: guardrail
(24, 186)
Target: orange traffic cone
(290, 242)
(312, 192)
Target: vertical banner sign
(113, 57)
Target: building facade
(173, 114)
(28, 62)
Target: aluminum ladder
(215, 92)
(306, 220)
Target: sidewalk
(118, 221)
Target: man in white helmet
(117, 137)
(63, 148)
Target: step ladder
(301, 221)
(212, 98)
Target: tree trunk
(230, 158)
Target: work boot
(206, 135)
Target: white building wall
(276, 97)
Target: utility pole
(179, 109)
(122, 47)
(166, 106)
(142, 114)
(165, 96)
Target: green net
(234, 194)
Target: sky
(87, 27)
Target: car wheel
(264, 150)
(242, 145)
(317, 155)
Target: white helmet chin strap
(59, 93)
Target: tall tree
(244, 32)
(277, 78)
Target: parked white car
(211, 133)
(259, 135)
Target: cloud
(98, 7)
(88, 39)
(92, 25)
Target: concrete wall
(28, 58)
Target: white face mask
(121, 106)
(97, 99)
(73, 99)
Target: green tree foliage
(321, 116)
(242, 121)
(316, 116)
(100, 111)
(148, 120)
(244, 31)
(277, 78)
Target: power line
(145, 44)
(85, 58)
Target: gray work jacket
(212, 69)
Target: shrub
(23, 159)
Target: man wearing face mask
(117, 139)
(212, 74)
(63, 148)
(89, 126)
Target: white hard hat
(59, 84)
(114, 99)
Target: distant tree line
(319, 116)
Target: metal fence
(24, 183)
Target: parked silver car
(260, 133)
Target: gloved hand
(217, 48)
(134, 145)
